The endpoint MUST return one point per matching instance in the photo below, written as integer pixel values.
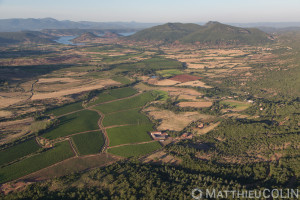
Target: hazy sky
(155, 10)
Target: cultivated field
(88, 143)
(125, 117)
(171, 121)
(109, 95)
(236, 105)
(135, 150)
(18, 151)
(65, 109)
(130, 103)
(60, 152)
(129, 134)
(85, 120)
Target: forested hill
(25, 37)
(210, 33)
(169, 32)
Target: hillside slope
(169, 32)
(25, 37)
(211, 33)
(217, 33)
(85, 37)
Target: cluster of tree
(251, 174)
(135, 180)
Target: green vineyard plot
(129, 134)
(18, 151)
(89, 143)
(125, 117)
(113, 94)
(60, 152)
(74, 123)
(65, 109)
(134, 102)
(135, 150)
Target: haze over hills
(210, 33)
(20, 24)
(10, 25)
(25, 37)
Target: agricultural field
(18, 151)
(125, 117)
(161, 95)
(135, 150)
(60, 152)
(169, 72)
(65, 109)
(130, 103)
(85, 120)
(169, 120)
(113, 94)
(236, 105)
(89, 143)
(122, 80)
(129, 134)
(156, 63)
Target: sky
(157, 11)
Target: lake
(67, 39)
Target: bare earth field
(173, 91)
(161, 157)
(194, 84)
(11, 130)
(51, 80)
(97, 85)
(7, 99)
(172, 121)
(166, 82)
(203, 104)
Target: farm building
(187, 135)
(158, 135)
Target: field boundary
(136, 143)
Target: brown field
(4, 113)
(161, 157)
(51, 80)
(11, 130)
(173, 91)
(7, 101)
(194, 84)
(184, 78)
(166, 82)
(56, 94)
(172, 121)
(197, 66)
(203, 104)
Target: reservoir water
(67, 39)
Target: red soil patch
(185, 78)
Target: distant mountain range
(32, 24)
(13, 25)
(211, 33)
(25, 37)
